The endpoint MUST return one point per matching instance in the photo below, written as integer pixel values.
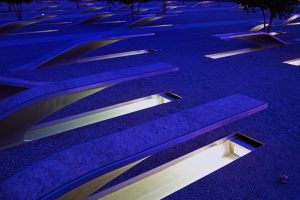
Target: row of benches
(13, 26)
(38, 100)
(25, 103)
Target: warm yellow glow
(34, 32)
(114, 55)
(95, 116)
(175, 175)
(295, 62)
(292, 18)
(259, 27)
(231, 53)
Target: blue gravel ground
(261, 75)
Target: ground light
(35, 32)
(295, 62)
(69, 123)
(232, 53)
(173, 176)
(116, 55)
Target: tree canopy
(16, 6)
(275, 8)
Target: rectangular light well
(69, 123)
(175, 175)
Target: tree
(275, 8)
(164, 5)
(129, 3)
(16, 6)
(280, 8)
(139, 5)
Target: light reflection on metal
(46, 24)
(258, 27)
(157, 26)
(95, 116)
(232, 53)
(261, 39)
(204, 4)
(110, 22)
(161, 181)
(295, 62)
(294, 24)
(92, 9)
(291, 20)
(116, 55)
(95, 18)
(35, 32)
(12, 26)
(43, 16)
(144, 21)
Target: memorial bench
(145, 20)
(94, 18)
(261, 39)
(293, 20)
(73, 51)
(79, 171)
(12, 26)
(41, 101)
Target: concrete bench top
(30, 96)
(74, 50)
(54, 174)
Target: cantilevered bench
(12, 26)
(91, 9)
(261, 39)
(94, 18)
(205, 4)
(169, 8)
(292, 20)
(145, 20)
(79, 171)
(44, 17)
(73, 51)
(46, 7)
(39, 102)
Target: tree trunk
(18, 10)
(132, 9)
(265, 18)
(271, 21)
(138, 12)
(164, 6)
